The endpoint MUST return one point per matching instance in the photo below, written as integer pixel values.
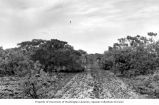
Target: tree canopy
(132, 55)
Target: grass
(145, 85)
(12, 88)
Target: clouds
(95, 23)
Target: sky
(91, 25)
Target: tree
(15, 62)
(134, 54)
(152, 34)
(82, 52)
(56, 55)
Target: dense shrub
(54, 55)
(107, 64)
(14, 62)
(132, 56)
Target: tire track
(80, 87)
(112, 87)
(95, 84)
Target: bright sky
(95, 24)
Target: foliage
(82, 52)
(147, 85)
(132, 56)
(14, 62)
(54, 55)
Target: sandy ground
(96, 84)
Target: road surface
(96, 84)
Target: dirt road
(95, 84)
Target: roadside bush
(156, 77)
(107, 65)
(14, 62)
(53, 55)
(56, 55)
(132, 56)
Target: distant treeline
(130, 56)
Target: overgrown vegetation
(53, 55)
(41, 63)
(132, 56)
(135, 59)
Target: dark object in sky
(70, 21)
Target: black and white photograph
(79, 49)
